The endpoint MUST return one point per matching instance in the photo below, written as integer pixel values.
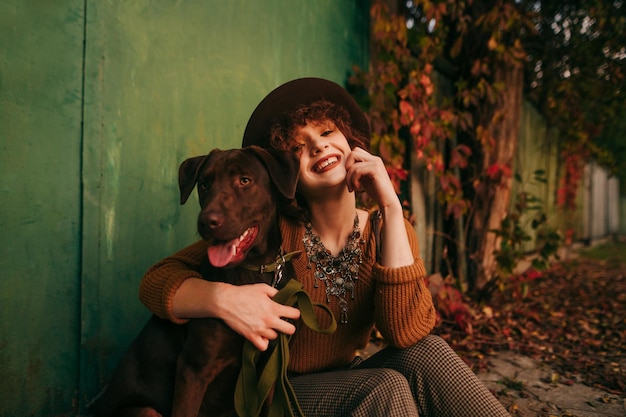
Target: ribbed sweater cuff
(400, 275)
(169, 290)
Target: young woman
(366, 280)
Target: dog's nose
(214, 219)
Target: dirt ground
(569, 321)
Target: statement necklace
(339, 273)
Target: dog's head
(239, 190)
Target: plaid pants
(426, 379)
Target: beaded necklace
(339, 273)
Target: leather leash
(276, 267)
(253, 389)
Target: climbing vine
(398, 91)
(564, 56)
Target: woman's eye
(327, 132)
(297, 148)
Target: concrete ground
(526, 388)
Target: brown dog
(192, 369)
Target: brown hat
(295, 93)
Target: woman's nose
(317, 145)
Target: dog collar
(277, 264)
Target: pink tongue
(223, 254)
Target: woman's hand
(367, 172)
(250, 311)
(247, 309)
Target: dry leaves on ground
(572, 317)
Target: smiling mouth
(321, 166)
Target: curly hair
(285, 125)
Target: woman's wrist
(396, 250)
(393, 216)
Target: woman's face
(323, 150)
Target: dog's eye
(204, 185)
(244, 180)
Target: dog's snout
(210, 223)
(214, 219)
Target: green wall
(41, 59)
(100, 101)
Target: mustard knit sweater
(396, 300)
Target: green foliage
(525, 217)
(576, 75)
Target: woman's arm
(367, 172)
(162, 281)
(174, 289)
(404, 306)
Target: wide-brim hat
(292, 94)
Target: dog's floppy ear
(283, 167)
(188, 175)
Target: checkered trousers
(427, 379)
